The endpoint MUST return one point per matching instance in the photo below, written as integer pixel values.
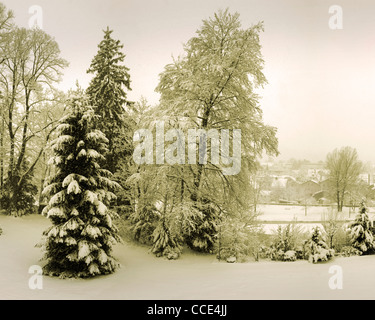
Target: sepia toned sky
(321, 90)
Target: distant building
(325, 185)
(321, 197)
(288, 189)
(317, 174)
(304, 191)
(310, 187)
(281, 181)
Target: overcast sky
(321, 89)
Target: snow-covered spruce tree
(79, 242)
(361, 237)
(316, 249)
(107, 93)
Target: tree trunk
(2, 154)
(339, 209)
(198, 176)
(40, 196)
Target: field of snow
(300, 213)
(194, 276)
(308, 218)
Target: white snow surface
(142, 276)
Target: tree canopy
(211, 86)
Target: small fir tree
(286, 245)
(361, 237)
(79, 242)
(238, 238)
(166, 242)
(174, 223)
(316, 249)
(204, 237)
(143, 223)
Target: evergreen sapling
(361, 237)
(316, 249)
(204, 236)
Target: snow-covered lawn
(308, 218)
(193, 276)
(300, 213)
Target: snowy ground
(193, 276)
(302, 214)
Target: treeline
(79, 145)
(72, 154)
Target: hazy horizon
(321, 81)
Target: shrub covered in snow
(165, 242)
(348, 251)
(341, 239)
(286, 244)
(173, 224)
(143, 222)
(316, 249)
(204, 236)
(332, 226)
(238, 238)
(361, 237)
(290, 255)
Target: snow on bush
(173, 225)
(290, 255)
(165, 243)
(361, 237)
(316, 249)
(238, 238)
(348, 251)
(286, 244)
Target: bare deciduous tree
(31, 65)
(344, 169)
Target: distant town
(307, 183)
